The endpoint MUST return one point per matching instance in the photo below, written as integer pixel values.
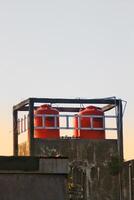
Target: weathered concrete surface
(32, 187)
(90, 177)
(53, 165)
(49, 182)
(24, 163)
(128, 180)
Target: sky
(66, 49)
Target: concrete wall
(128, 180)
(49, 182)
(90, 176)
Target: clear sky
(69, 49)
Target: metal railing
(68, 118)
(68, 122)
(22, 124)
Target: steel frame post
(31, 127)
(15, 133)
(120, 143)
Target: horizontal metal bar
(110, 116)
(79, 116)
(47, 115)
(72, 128)
(69, 109)
(21, 104)
(60, 109)
(111, 129)
(108, 107)
(76, 101)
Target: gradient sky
(69, 49)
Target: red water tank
(49, 122)
(85, 122)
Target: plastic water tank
(49, 122)
(85, 122)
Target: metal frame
(29, 105)
(23, 121)
(67, 117)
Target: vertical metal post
(31, 127)
(15, 133)
(67, 121)
(79, 122)
(25, 123)
(91, 121)
(103, 118)
(120, 130)
(21, 125)
(120, 143)
(130, 181)
(55, 121)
